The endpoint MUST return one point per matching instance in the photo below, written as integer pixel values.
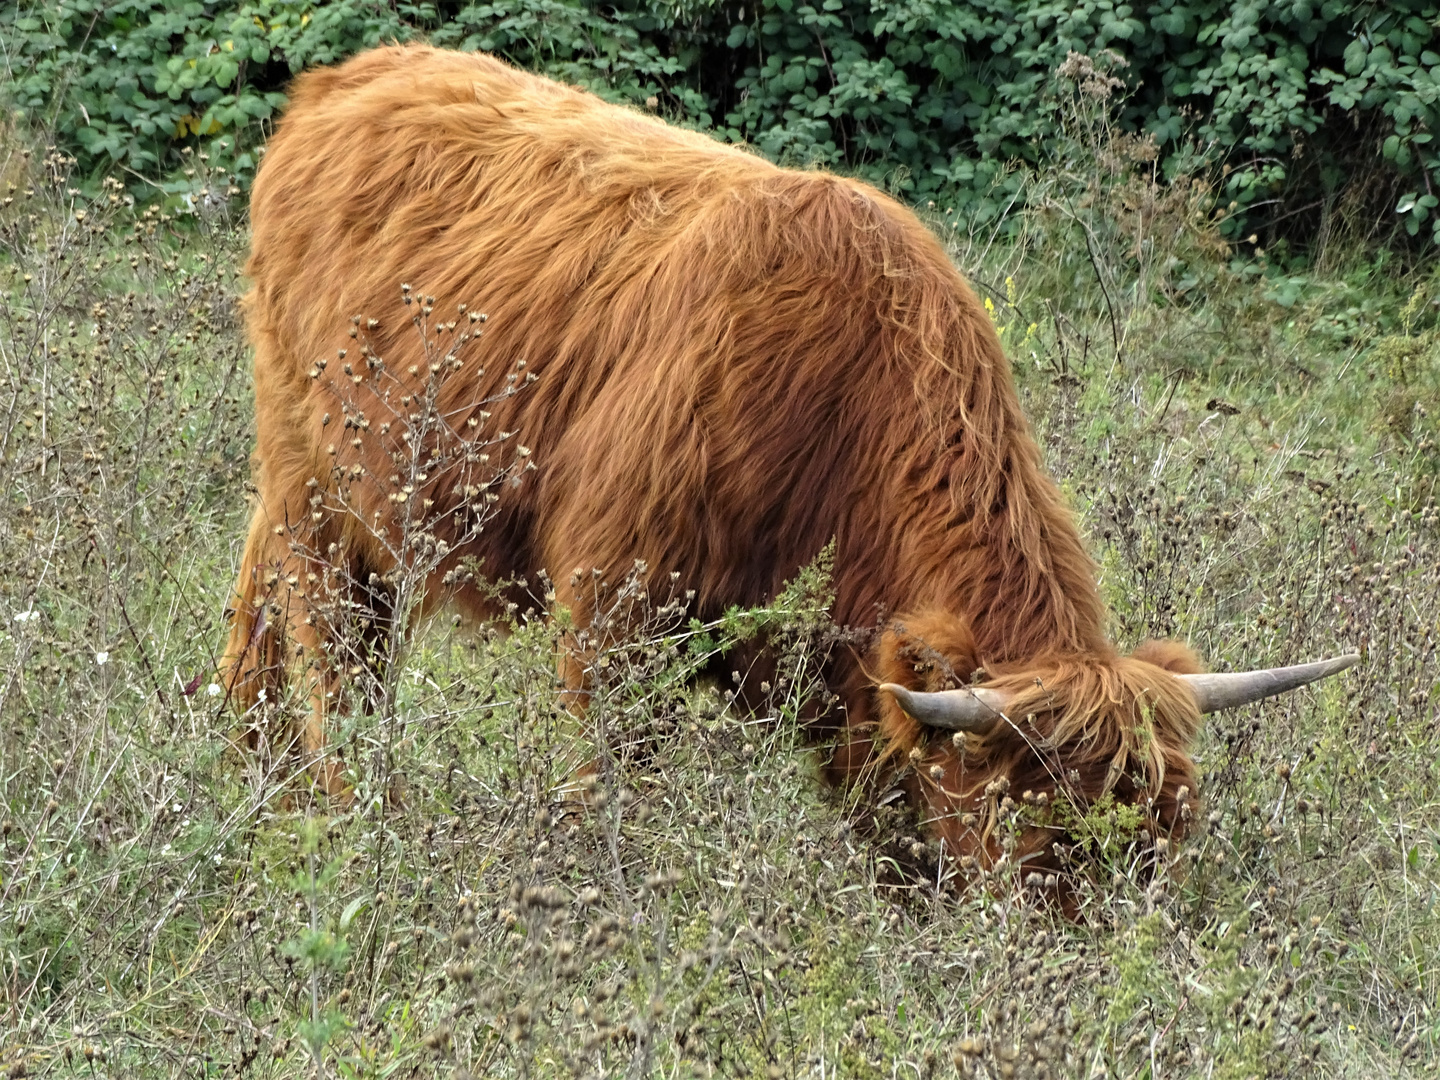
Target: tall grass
(671, 891)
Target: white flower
(213, 689)
(102, 658)
(27, 616)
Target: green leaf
(1356, 53)
(225, 71)
(351, 910)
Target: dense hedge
(1303, 107)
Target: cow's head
(1011, 770)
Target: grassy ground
(1252, 453)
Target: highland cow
(730, 365)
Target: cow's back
(736, 362)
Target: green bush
(1316, 115)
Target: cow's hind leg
(303, 622)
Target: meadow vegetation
(1250, 445)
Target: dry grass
(171, 908)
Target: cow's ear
(1171, 655)
(930, 650)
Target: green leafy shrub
(1318, 118)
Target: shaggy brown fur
(737, 363)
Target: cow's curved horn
(1228, 690)
(974, 710)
